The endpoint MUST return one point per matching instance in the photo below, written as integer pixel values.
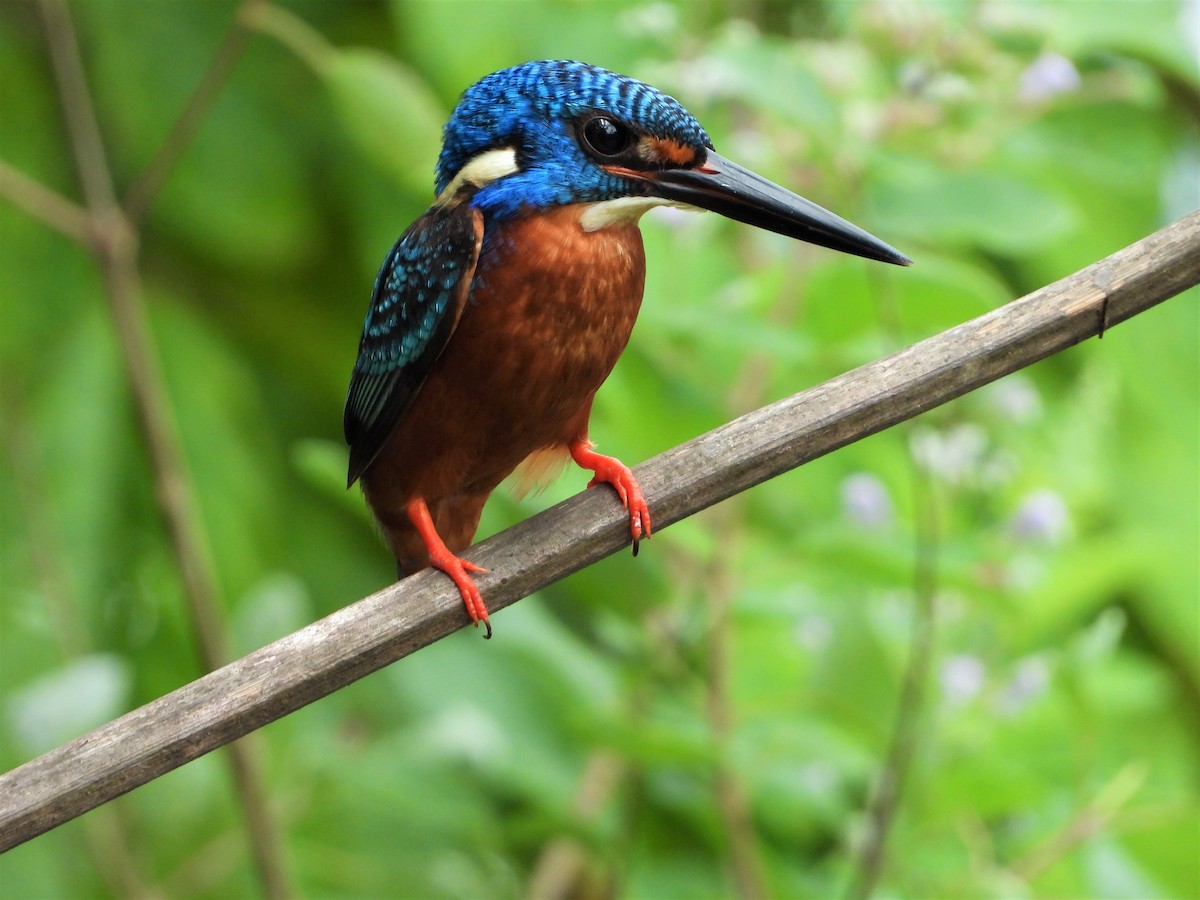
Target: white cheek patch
(623, 211)
(489, 166)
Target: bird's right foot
(458, 569)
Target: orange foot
(441, 558)
(610, 470)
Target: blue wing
(418, 298)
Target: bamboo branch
(365, 636)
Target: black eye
(606, 137)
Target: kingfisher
(498, 314)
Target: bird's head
(555, 132)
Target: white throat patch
(622, 211)
(489, 166)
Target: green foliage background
(728, 699)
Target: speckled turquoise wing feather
(418, 298)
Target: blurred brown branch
(111, 234)
(375, 631)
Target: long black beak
(725, 187)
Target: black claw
(488, 634)
(636, 542)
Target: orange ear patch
(666, 150)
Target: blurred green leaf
(62, 705)
(1020, 218)
(388, 113)
(275, 607)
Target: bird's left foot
(610, 470)
(459, 570)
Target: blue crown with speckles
(495, 110)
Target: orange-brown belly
(551, 309)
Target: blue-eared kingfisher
(499, 313)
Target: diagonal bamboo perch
(369, 634)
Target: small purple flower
(1048, 76)
(953, 455)
(1029, 681)
(1042, 518)
(962, 678)
(1016, 399)
(866, 501)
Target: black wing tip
(359, 463)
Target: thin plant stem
(149, 182)
(902, 747)
(906, 730)
(47, 206)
